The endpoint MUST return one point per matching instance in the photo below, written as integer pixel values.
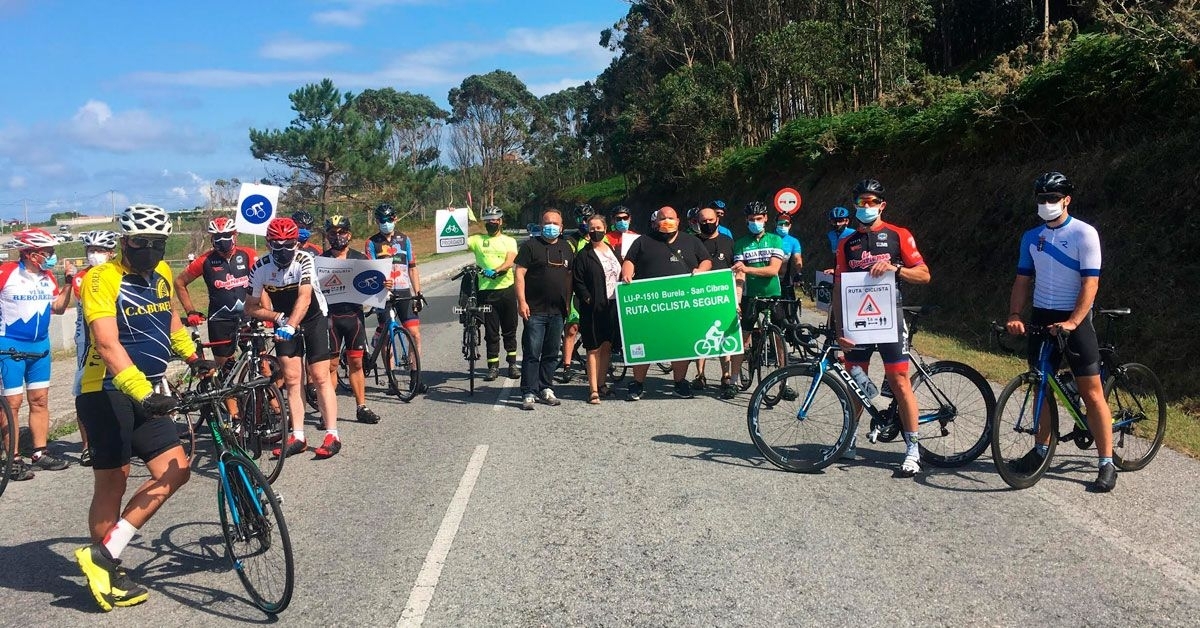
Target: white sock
(298, 435)
(333, 433)
(910, 445)
(118, 537)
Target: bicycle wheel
(666, 367)
(806, 434)
(1139, 414)
(773, 359)
(404, 366)
(9, 432)
(264, 423)
(751, 362)
(471, 348)
(185, 427)
(955, 405)
(256, 535)
(1014, 434)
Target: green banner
(679, 318)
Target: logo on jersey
(867, 260)
(162, 289)
(230, 282)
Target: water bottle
(864, 382)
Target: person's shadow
(46, 566)
(717, 450)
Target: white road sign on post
(256, 207)
(451, 229)
(869, 308)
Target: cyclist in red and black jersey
(879, 248)
(226, 271)
(347, 324)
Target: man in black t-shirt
(664, 252)
(543, 284)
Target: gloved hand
(200, 367)
(159, 405)
(194, 319)
(285, 332)
(489, 273)
(418, 303)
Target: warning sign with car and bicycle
(679, 318)
(869, 308)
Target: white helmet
(100, 239)
(145, 220)
(34, 239)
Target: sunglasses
(142, 242)
(1049, 198)
(281, 245)
(621, 217)
(868, 201)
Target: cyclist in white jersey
(99, 247)
(1063, 255)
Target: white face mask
(96, 259)
(1050, 212)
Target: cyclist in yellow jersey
(495, 253)
(131, 334)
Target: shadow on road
(718, 450)
(45, 567)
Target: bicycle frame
(1049, 384)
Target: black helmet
(303, 219)
(693, 213)
(618, 210)
(1053, 183)
(385, 212)
(583, 212)
(868, 186)
(756, 208)
(839, 213)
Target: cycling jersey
(311, 248)
(758, 253)
(791, 247)
(490, 252)
(884, 242)
(620, 241)
(142, 309)
(1059, 257)
(25, 302)
(399, 247)
(723, 230)
(228, 280)
(838, 236)
(282, 285)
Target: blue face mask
(305, 234)
(50, 262)
(866, 215)
(781, 230)
(755, 227)
(622, 225)
(551, 232)
(387, 227)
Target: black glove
(419, 303)
(200, 367)
(159, 405)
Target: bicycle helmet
(620, 210)
(839, 213)
(34, 239)
(493, 213)
(1053, 183)
(282, 229)
(718, 205)
(144, 220)
(303, 219)
(869, 186)
(100, 239)
(693, 214)
(583, 212)
(756, 208)
(385, 212)
(337, 221)
(222, 225)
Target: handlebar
(194, 399)
(22, 355)
(470, 269)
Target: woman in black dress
(597, 271)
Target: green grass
(601, 194)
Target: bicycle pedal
(873, 435)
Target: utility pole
(112, 199)
(25, 204)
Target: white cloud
(180, 192)
(343, 18)
(16, 182)
(292, 49)
(95, 126)
(541, 89)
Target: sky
(107, 104)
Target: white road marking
(502, 399)
(422, 592)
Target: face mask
(782, 230)
(866, 215)
(708, 228)
(492, 227)
(622, 226)
(551, 232)
(755, 227)
(338, 241)
(223, 245)
(1050, 212)
(143, 260)
(668, 226)
(96, 259)
(596, 236)
(387, 227)
(283, 257)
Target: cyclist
(347, 324)
(577, 240)
(693, 221)
(1063, 254)
(719, 207)
(226, 272)
(28, 295)
(789, 273)
(720, 249)
(99, 247)
(621, 235)
(495, 253)
(305, 222)
(839, 219)
(284, 291)
(132, 332)
(405, 278)
(878, 248)
(759, 255)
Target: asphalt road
(658, 512)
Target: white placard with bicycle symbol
(256, 207)
(353, 281)
(869, 308)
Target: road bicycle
(955, 408)
(252, 522)
(470, 315)
(398, 350)
(1134, 394)
(10, 429)
(767, 348)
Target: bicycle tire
(404, 365)
(250, 538)
(10, 433)
(265, 423)
(827, 428)
(751, 363)
(185, 428)
(1012, 435)
(773, 358)
(666, 368)
(1140, 426)
(471, 348)
(964, 410)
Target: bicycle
(399, 355)
(766, 347)
(251, 518)
(10, 431)
(470, 315)
(955, 410)
(1134, 394)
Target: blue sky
(153, 100)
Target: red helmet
(34, 239)
(222, 224)
(282, 229)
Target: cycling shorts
(220, 329)
(1083, 348)
(750, 310)
(346, 332)
(893, 354)
(408, 317)
(311, 341)
(118, 428)
(22, 375)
